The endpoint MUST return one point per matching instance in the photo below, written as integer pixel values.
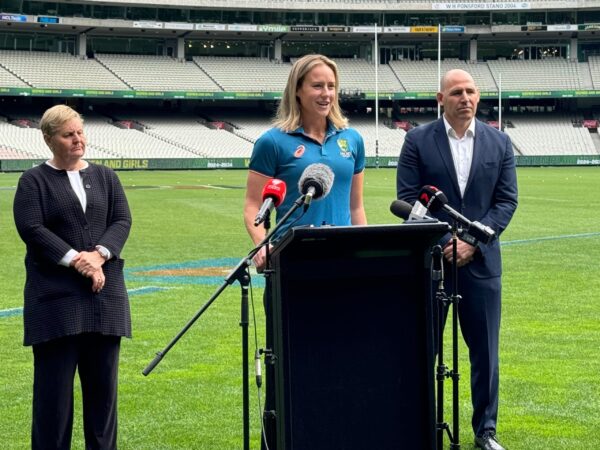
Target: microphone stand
(442, 372)
(239, 273)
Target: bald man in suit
(473, 164)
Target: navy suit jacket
(491, 193)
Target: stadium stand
(162, 73)
(553, 73)
(9, 79)
(190, 135)
(185, 136)
(129, 142)
(549, 134)
(594, 62)
(245, 74)
(418, 76)
(359, 75)
(390, 140)
(24, 143)
(104, 141)
(245, 125)
(189, 65)
(59, 71)
(214, 74)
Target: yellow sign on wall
(423, 29)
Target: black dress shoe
(488, 441)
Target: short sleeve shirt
(285, 155)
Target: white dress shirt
(462, 152)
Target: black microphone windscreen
(432, 198)
(401, 209)
(319, 176)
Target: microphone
(401, 209)
(418, 212)
(434, 200)
(406, 211)
(273, 194)
(315, 182)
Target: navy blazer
(491, 193)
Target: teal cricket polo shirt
(282, 155)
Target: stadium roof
(357, 5)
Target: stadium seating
(237, 74)
(160, 73)
(549, 134)
(188, 133)
(245, 74)
(189, 136)
(359, 75)
(390, 140)
(8, 79)
(52, 70)
(129, 143)
(419, 76)
(248, 126)
(546, 74)
(594, 62)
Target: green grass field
(550, 341)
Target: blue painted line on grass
(227, 264)
(549, 238)
(136, 291)
(178, 275)
(214, 262)
(11, 312)
(145, 290)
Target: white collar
(450, 131)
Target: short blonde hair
(289, 114)
(57, 116)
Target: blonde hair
(289, 114)
(55, 117)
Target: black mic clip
(465, 236)
(437, 267)
(270, 357)
(477, 232)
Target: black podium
(353, 339)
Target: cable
(298, 218)
(257, 352)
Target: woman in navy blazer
(473, 164)
(74, 219)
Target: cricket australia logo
(344, 150)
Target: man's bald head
(455, 74)
(459, 96)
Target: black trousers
(96, 358)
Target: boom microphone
(434, 200)
(315, 182)
(273, 194)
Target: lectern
(353, 337)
